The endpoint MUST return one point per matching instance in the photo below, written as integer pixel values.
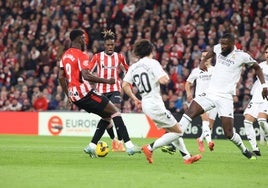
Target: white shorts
(212, 114)
(224, 106)
(255, 108)
(160, 115)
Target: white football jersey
(145, 74)
(257, 87)
(227, 71)
(202, 79)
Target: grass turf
(41, 161)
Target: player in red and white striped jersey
(109, 64)
(74, 76)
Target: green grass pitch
(48, 162)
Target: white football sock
(236, 139)
(165, 140)
(185, 122)
(179, 144)
(251, 135)
(264, 125)
(129, 144)
(206, 133)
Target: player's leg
(227, 124)
(95, 104)
(262, 120)
(116, 99)
(250, 133)
(225, 109)
(121, 128)
(110, 129)
(205, 132)
(250, 114)
(197, 107)
(211, 118)
(262, 140)
(188, 158)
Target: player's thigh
(204, 102)
(252, 110)
(263, 112)
(114, 97)
(161, 117)
(212, 114)
(225, 107)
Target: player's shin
(185, 122)
(179, 144)
(251, 135)
(165, 139)
(102, 125)
(236, 139)
(264, 125)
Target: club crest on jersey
(86, 63)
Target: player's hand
(137, 103)
(265, 93)
(189, 98)
(111, 81)
(69, 103)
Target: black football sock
(110, 132)
(121, 128)
(102, 125)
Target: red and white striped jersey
(109, 66)
(73, 61)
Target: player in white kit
(202, 79)
(257, 109)
(228, 67)
(147, 75)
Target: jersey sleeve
(128, 75)
(193, 76)
(83, 61)
(247, 59)
(123, 62)
(158, 70)
(93, 62)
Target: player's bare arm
(164, 80)
(127, 89)
(87, 75)
(63, 82)
(188, 91)
(202, 64)
(259, 73)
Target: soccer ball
(102, 149)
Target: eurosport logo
(55, 125)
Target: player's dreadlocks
(108, 35)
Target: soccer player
(229, 63)
(202, 79)
(109, 64)
(74, 77)
(257, 109)
(147, 75)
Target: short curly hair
(108, 35)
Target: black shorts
(95, 103)
(114, 97)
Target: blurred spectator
(14, 105)
(40, 103)
(34, 34)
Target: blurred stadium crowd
(34, 34)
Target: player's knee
(116, 114)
